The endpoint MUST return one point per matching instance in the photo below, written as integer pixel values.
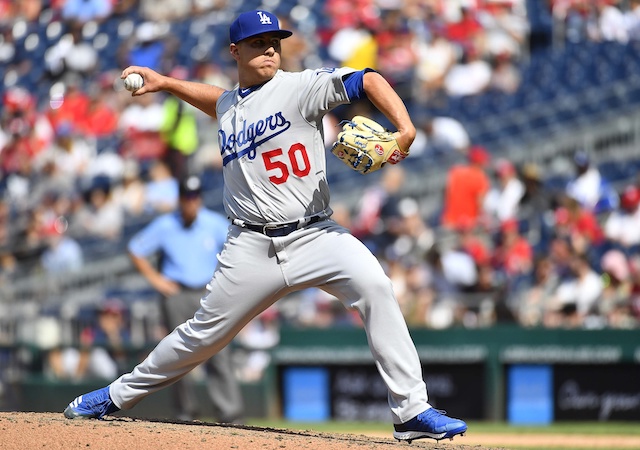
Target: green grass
(579, 428)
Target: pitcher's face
(258, 58)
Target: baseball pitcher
(281, 238)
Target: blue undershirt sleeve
(353, 84)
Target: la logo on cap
(247, 25)
(264, 19)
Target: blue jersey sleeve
(353, 84)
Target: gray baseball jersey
(274, 160)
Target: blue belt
(282, 229)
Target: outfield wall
(502, 373)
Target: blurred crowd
(507, 248)
(601, 20)
(82, 162)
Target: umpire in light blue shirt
(187, 242)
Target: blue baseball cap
(252, 23)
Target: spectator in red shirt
(70, 106)
(466, 30)
(465, 190)
(101, 119)
(513, 255)
(24, 131)
(475, 243)
(578, 224)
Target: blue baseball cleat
(431, 423)
(94, 405)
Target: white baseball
(133, 82)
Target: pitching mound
(51, 431)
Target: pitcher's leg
(355, 276)
(344, 267)
(244, 284)
(370, 293)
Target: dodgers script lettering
(250, 136)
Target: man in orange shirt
(466, 187)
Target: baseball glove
(366, 146)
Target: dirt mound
(51, 431)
